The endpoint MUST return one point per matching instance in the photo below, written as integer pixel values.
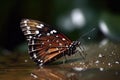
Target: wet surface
(102, 63)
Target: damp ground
(101, 63)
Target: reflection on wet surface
(102, 63)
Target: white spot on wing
(39, 35)
(66, 45)
(28, 32)
(57, 41)
(56, 35)
(39, 60)
(57, 49)
(30, 37)
(25, 24)
(40, 26)
(34, 55)
(37, 32)
(25, 21)
(63, 39)
(34, 37)
(28, 27)
(60, 44)
(43, 43)
(48, 34)
(50, 44)
(53, 31)
(48, 40)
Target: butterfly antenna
(87, 33)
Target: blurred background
(72, 17)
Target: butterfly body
(46, 44)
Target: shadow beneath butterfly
(63, 60)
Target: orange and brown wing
(44, 42)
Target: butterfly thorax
(72, 47)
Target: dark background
(57, 13)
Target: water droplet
(89, 38)
(100, 55)
(116, 62)
(78, 68)
(101, 69)
(26, 60)
(34, 76)
(109, 64)
(97, 61)
(116, 73)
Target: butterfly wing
(44, 42)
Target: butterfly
(46, 44)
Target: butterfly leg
(65, 58)
(81, 51)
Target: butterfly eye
(45, 43)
